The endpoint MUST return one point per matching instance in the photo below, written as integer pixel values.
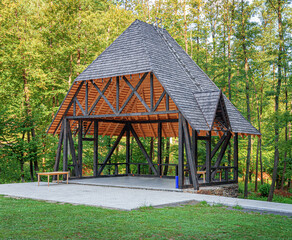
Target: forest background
(243, 46)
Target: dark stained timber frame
(188, 138)
(188, 146)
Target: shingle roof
(145, 48)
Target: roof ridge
(144, 45)
(177, 58)
(197, 65)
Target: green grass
(29, 219)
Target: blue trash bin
(176, 181)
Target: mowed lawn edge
(32, 219)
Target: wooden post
(72, 150)
(190, 157)
(95, 151)
(65, 147)
(151, 91)
(128, 150)
(159, 144)
(195, 146)
(80, 147)
(86, 98)
(208, 158)
(117, 93)
(180, 152)
(58, 155)
(235, 157)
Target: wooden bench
(52, 174)
(204, 174)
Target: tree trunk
(35, 163)
(247, 99)
(30, 160)
(286, 128)
(278, 91)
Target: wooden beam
(143, 150)
(180, 152)
(137, 94)
(80, 106)
(148, 118)
(104, 97)
(100, 96)
(128, 152)
(69, 106)
(109, 125)
(190, 156)
(208, 158)
(72, 150)
(117, 93)
(112, 150)
(95, 149)
(221, 154)
(74, 108)
(159, 148)
(59, 150)
(138, 121)
(195, 147)
(86, 98)
(65, 147)
(214, 151)
(151, 91)
(80, 147)
(159, 100)
(133, 92)
(218, 145)
(167, 102)
(235, 156)
(123, 115)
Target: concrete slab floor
(127, 198)
(107, 197)
(150, 183)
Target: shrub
(265, 189)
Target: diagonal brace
(143, 149)
(159, 101)
(214, 151)
(112, 150)
(137, 94)
(80, 106)
(100, 96)
(133, 92)
(104, 97)
(221, 155)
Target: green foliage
(264, 189)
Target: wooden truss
(138, 106)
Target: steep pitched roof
(145, 48)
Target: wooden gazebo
(145, 85)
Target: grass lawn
(30, 219)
